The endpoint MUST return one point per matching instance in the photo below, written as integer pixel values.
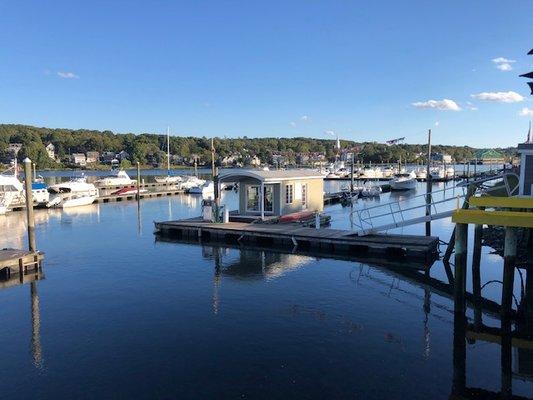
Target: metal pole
(509, 257)
(428, 186)
(29, 205)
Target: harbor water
(119, 314)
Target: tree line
(149, 148)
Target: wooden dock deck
(405, 247)
(15, 261)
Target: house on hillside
(78, 159)
(441, 158)
(488, 156)
(13, 149)
(123, 155)
(51, 150)
(92, 157)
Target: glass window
(304, 195)
(289, 194)
(269, 196)
(252, 198)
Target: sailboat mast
(168, 151)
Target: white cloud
(503, 64)
(437, 123)
(471, 106)
(500, 97)
(504, 67)
(444, 104)
(304, 118)
(293, 124)
(526, 112)
(68, 75)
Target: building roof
(488, 154)
(233, 175)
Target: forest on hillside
(145, 147)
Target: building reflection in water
(245, 264)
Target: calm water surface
(121, 315)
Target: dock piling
(29, 205)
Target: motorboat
(40, 193)
(421, 173)
(191, 182)
(128, 191)
(388, 172)
(450, 173)
(437, 173)
(11, 190)
(206, 190)
(76, 192)
(403, 181)
(119, 178)
(371, 173)
(370, 191)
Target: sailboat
(168, 178)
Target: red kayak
(128, 190)
(297, 216)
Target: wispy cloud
(526, 112)
(67, 75)
(503, 64)
(444, 104)
(499, 97)
(304, 118)
(471, 106)
(293, 124)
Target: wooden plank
(504, 202)
(499, 218)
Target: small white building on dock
(276, 193)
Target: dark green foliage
(151, 148)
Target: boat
(421, 173)
(168, 179)
(437, 173)
(403, 181)
(191, 182)
(128, 190)
(117, 179)
(40, 192)
(450, 173)
(348, 197)
(370, 191)
(206, 190)
(371, 173)
(76, 192)
(388, 172)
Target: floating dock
(405, 247)
(14, 261)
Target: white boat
(403, 181)
(388, 172)
(450, 173)
(421, 173)
(76, 192)
(191, 182)
(206, 190)
(370, 191)
(437, 173)
(120, 178)
(371, 173)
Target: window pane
(252, 198)
(269, 195)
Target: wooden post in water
(138, 181)
(509, 258)
(351, 172)
(34, 172)
(476, 274)
(459, 342)
(428, 186)
(29, 205)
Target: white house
(51, 150)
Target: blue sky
(365, 70)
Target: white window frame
(248, 187)
(289, 194)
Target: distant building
(279, 159)
(51, 150)
(488, 156)
(441, 158)
(78, 159)
(230, 160)
(302, 158)
(107, 157)
(123, 155)
(92, 157)
(13, 149)
(254, 161)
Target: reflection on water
(122, 316)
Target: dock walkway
(15, 261)
(293, 235)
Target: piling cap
(27, 160)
